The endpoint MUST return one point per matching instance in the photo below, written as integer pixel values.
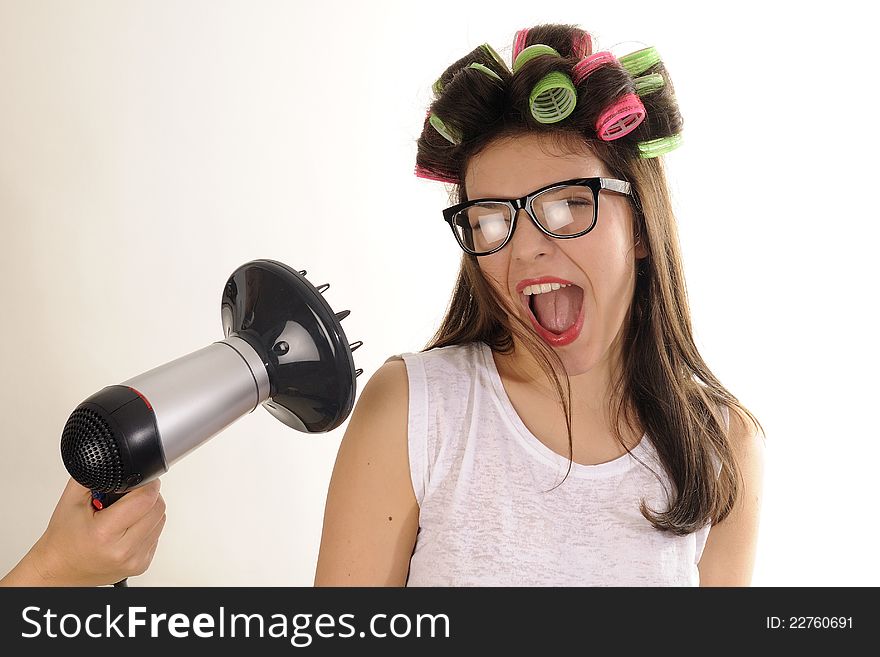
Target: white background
(147, 149)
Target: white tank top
(479, 476)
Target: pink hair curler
(621, 118)
(582, 45)
(519, 42)
(590, 63)
(427, 174)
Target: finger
(154, 539)
(153, 542)
(75, 501)
(74, 493)
(130, 508)
(142, 550)
(140, 530)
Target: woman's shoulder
(371, 481)
(446, 367)
(377, 429)
(393, 380)
(465, 351)
(440, 376)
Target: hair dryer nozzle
(300, 339)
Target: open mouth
(558, 315)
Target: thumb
(75, 494)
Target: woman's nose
(527, 240)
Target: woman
(561, 428)
(568, 334)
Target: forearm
(31, 571)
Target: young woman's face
(602, 262)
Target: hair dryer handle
(102, 501)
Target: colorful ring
(648, 84)
(530, 53)
(448, 133)
(427, 174)
(495, 56)
(621, 118)
(519, 42)
(658, 147)
(589, 64)
(581, 45)
(438, 85)
(485, 69)
(553, 98)
(640, 61)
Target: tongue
(556, 311)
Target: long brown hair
(662, 385)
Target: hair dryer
(284, 349)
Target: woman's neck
(590, 390)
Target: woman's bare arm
(729, 555)
(371, 515)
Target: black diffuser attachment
(300, 339)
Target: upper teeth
(543, 287)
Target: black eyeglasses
(563, 210)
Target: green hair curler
(658, 147)
(489, 50)
(450, 134)
(530, 53)
(490, 55)
(553, 98)
(648, 84)
(640, 61)
(485, 69)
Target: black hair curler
(284, 349)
